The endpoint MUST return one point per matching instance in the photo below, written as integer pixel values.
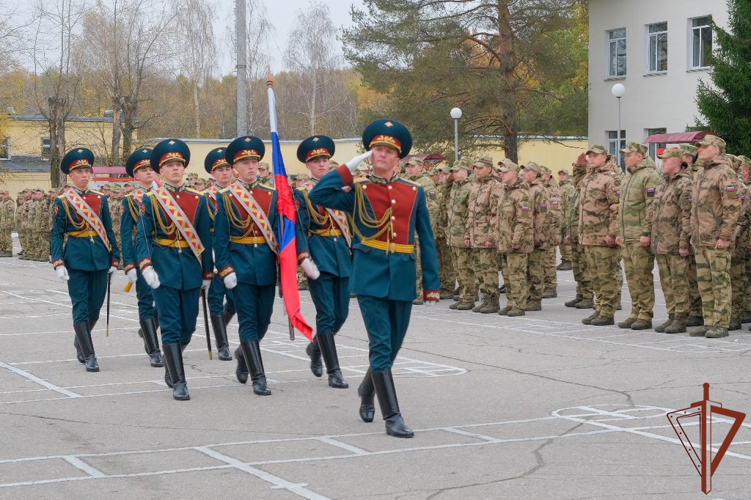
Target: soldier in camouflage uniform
(264, 174)
(7, 220)
(22, 223)
(568, 193)
(116, 212)
(598, 216)
(445, 261)
(461, 254)
(515, 238)
(634, 233)
(479, 234)
(696, 314)
(740, 251)
(746, 306)
(416, 173)
(35, 219)
(716, 207)
(584, 296)
(538, 199)
(670, 238)
(555, 212)
(190, 181)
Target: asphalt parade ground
(540, 406)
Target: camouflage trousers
(694, 298)
(6, 240)
(602, 263)
(418, 268)
(639, 263)
(581, 272)
(302, 279)
(43, 245)
(485, 264)
(674, 282)
(713, 278)
(738, 285)
(536, 274)
(566, 249)
(445, 265)
(463, 265)
(549, 270)
(514, 267)
(747, 299)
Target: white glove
(230, 281)
(62, 273)
(132, 275)
(151, 277)
(113, 269)
(207, 284)
(310, 268)
(354, 162)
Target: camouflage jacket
(444, 191)
(716, 203)
(514, 233)
(671, 217)
(42, 220)
(636, 199)
(538, 198)
(555, 208)
(742, 228)
(457, 212)
(30, 214)
(7, 213)
(482, 210)
(598, 210)
(568, 195)
(431, 196)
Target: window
(701, 42)
(613, 146)
(658, 47)
(654, 147)
(45, 148)
(5, 149)
(617, 51)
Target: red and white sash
(86, 213)
(256, 213)
(181, 221)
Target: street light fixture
(618, 91)
(456, 113)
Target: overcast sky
(281, 14)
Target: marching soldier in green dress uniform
(139, 167)
(246, 247)
(90, 252)
(217, 166)
(173, 245)
(387, 212)
(323, 237)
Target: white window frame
(612, 141)
(691, 41)
(612, 47)
(653, 147)
(49, 147)
(655, 50)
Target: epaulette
(97, 192)
(407, 181)
(59, 197)
(193, 191)
(223, 190)
(151, 193)
(263, 186)
(362, 180)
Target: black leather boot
(227, 317)
(252, 353)
(328, 350)
(79, 354)
(150, 343)
(366, 391)
(314, 352)
(220, 334)
(241, 372)
(83, 336)
(384, 386)
(173, 357)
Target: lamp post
(618, 91)
(456, 113)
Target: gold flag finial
(269, 78)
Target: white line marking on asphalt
(344, 446)
(266, 476)
(40, 381)
(80, 464)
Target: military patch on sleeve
(650, 192)
(55, 209)
(732, 192)
(543, 207)
(297, 204)
(431, 194)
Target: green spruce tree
(726, 105)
